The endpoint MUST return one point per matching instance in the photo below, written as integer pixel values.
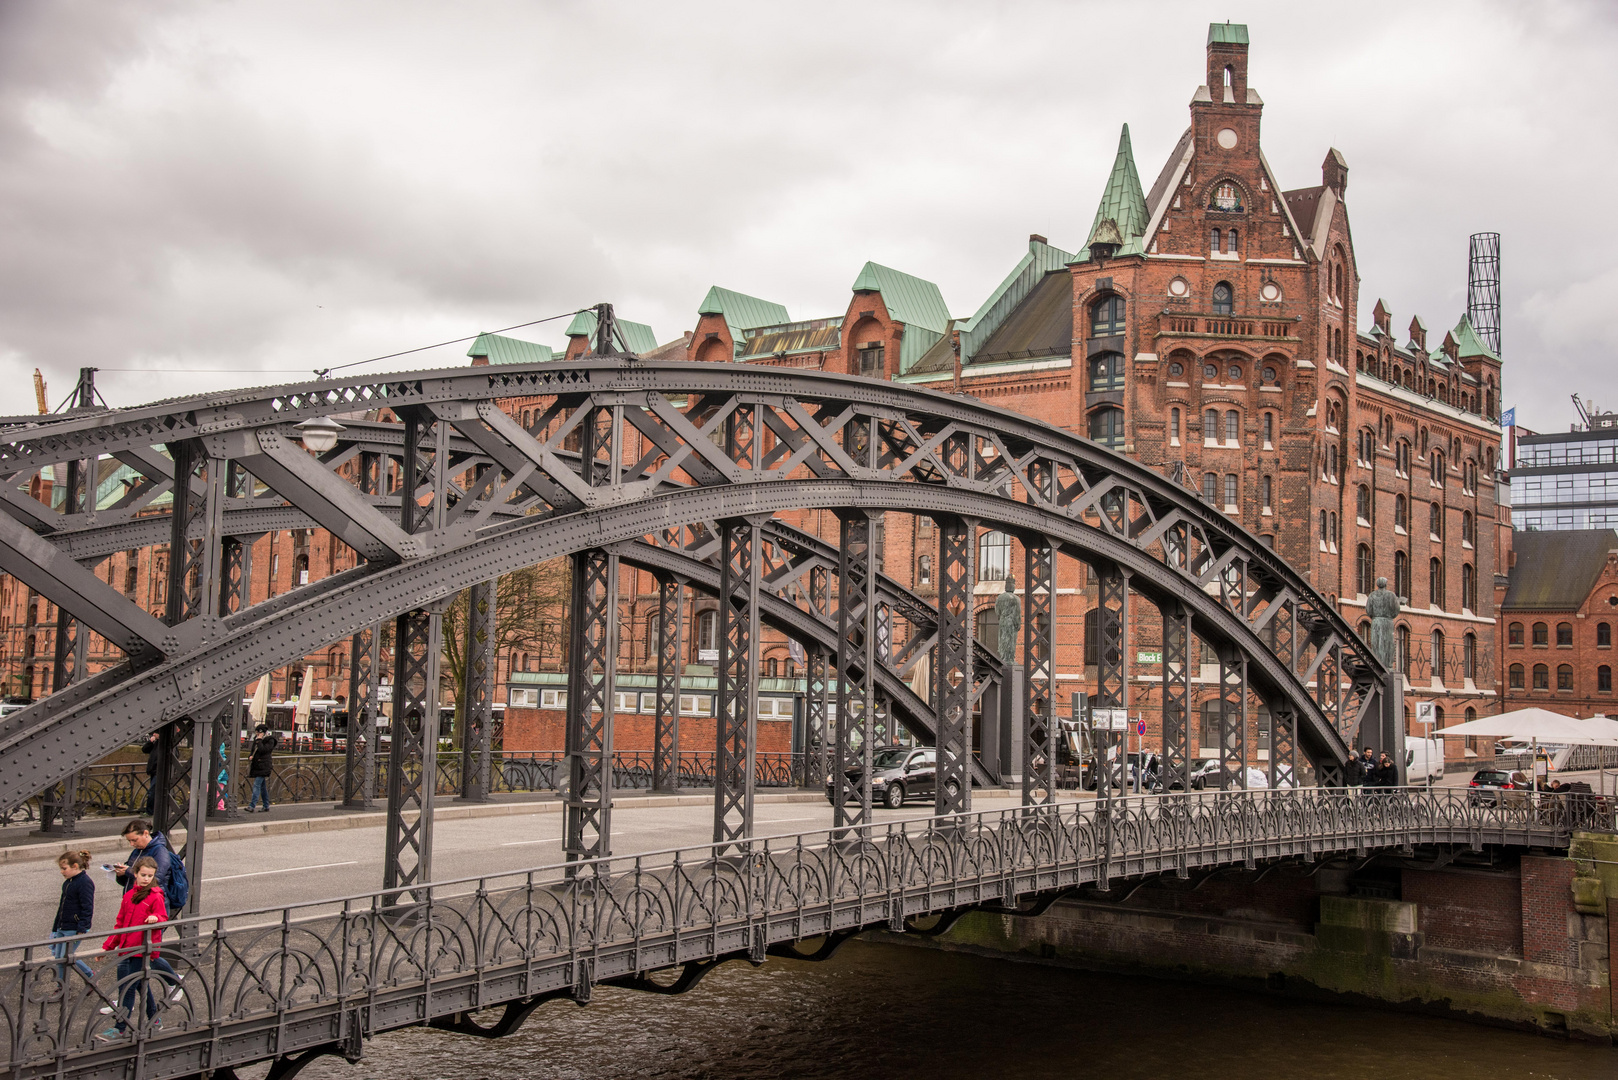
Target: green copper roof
(636, 337)
(509, 350)
(1041, 259)
(1123, 203)
(910, 300)
(742, 312)
(1227, 33)
(1469, 342)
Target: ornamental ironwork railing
(319, 977)
(123, 789)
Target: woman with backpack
(138, 950)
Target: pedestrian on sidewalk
(149, 748)
(260, 766)
(75, 911)
(1387, 775)
(139, 953)
(143, 842)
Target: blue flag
(1509, 417)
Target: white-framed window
(775, 708)
(523, 697)
(696, 704)
(648, 703)
(994, 556)
(553, 699)
(625, 701)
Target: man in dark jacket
(260, 766)
(148, 748)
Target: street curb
(447, 811)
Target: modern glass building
(1567, 480)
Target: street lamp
(319, 434)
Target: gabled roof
(742, 312)
(510, 350)
(909, 299)
(1468, 341)
(1041, 326)
(1555, 570)
(1123, 204)
(1030, 270)
(1227, 33)
(1181, 155)
(633, 336)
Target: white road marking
(284, 870)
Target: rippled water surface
(891, 1011)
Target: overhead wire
(321, 373)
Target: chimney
(1334, 172)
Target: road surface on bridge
(253, 872)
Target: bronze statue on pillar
(1383, 607)
(1008, 613)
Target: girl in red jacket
(138, 950)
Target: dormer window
(871, 358)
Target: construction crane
(39, 392)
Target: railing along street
(322, 976)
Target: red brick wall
(540, 731)
(1547, 901)
(1474, 912)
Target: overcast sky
(201, 195)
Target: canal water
(893, 1011)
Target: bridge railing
(122, 789)
(274, 981)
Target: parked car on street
(1486, 786)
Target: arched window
(1564, 676)
(1436, 462)
(1233, 427)
(1401, 512)
(1092, 637)
(1331, 462)
(1335, 535)
(1435, 521)
(1469, 656)
(1435, 582)
(1107, 316)
(1107, 371)
(1267, 487)
(1210, 487)
(1514, 677)
(1542, 677)
(1401, 576)
(707, 632)
(1401, 457)
(1469, 587)
(1223, 297)
(1514, 634)
(1362, 504)
(1232, 490)
(1213, 242)
(1604, 679)
(1174, 424)
(924, 570)
(1403, 638)
(1564, 635)
(1542, 634)
(1269, 429)
(1107, 427)
(1468, 529)
(1435, 658)
(1364, 570)
(1603, 635)
(1231, 242)
(1210, 426)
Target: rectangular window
(625, 702)
(1233, 425)
(871, 359)
(1268, 487)
(553, 699)
(1174, 426)
(994, 556)
(648, 703)
(1210, 484)
(1269, 428)
(523, 697)
(1230, 489)
(696, 704)
(924, 570)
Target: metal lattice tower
(1483, 288)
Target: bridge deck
(274, 982)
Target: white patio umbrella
(300, 714)
(1537, 726)
(260, 706)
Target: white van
(1424, 760)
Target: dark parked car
(897, 773)
(1486, 786)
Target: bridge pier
(957, 575)
(592, 673)
(1177, 660)
(476, 712)
(1038, 709)
(670, 668)
(1112, 666)
(736, 706)
(856, 669)
(364, 675)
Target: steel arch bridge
(678, 468)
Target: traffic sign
(1424, 712)
(1140, 727)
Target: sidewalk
(23, 842)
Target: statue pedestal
(1000, 734)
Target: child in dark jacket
(138, 950)
(75, 911)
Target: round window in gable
(1176, 369)
(1179, 287)
(1235, 373)
(1269, 375)
(1210, 371)
(1612, 601)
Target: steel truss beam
(1039, 645)
(364, 675)
(476, 713)
(591, 676)
(736, 708)
(957, 576)
(856, 673)
(670, 666)
(1112, 663)
(1177, 661)
(1233, 755)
